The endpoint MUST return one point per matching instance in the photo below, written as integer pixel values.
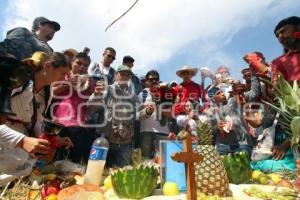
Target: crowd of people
(88, 99)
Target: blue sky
(161, 34)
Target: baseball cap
(123, 68)
(42, 20)
(128, 58)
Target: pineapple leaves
(288, 106)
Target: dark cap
(294, 20)
(41, 21)
(128, 59)
(212, 92)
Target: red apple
(52, 190)
(47, 190)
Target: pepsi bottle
(96, 161)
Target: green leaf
(284, 86)
(295, 127)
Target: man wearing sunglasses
(103, 69)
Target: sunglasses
(111, 56)
(153, 79)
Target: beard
(289, 43)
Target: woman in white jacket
(13, 74)
(29, 104)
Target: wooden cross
(189, 158)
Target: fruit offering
(238, 168)
(283, 194)
(211, 176)
(273, 179)
(170, 188)
(108, 183)
(134, 183)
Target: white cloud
(152, 32)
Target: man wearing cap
(188, 89)
(103, 69)
(22, 43)
(129, 61)
(287, 32)
(118, 102)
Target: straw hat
(36, 59)
(185, 68)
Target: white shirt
(22, 106)
(104, 70)
(150, 123)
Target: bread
(79, 192)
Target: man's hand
(99, 88)
(74, 79)
(278, 153)
(149, 109)
(221, 125)
(35, 146)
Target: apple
(48, 190)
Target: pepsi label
(98, 153)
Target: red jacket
(186, 91)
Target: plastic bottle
(96, 161)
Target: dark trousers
(150, 143)
(136, 136)
(82, 139)
(118, 155)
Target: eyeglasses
(153, 79)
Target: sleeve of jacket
(255, 90)
(96, 109)
(15, 42)
(10, 136)
(137, 84)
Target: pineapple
(211, 176)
